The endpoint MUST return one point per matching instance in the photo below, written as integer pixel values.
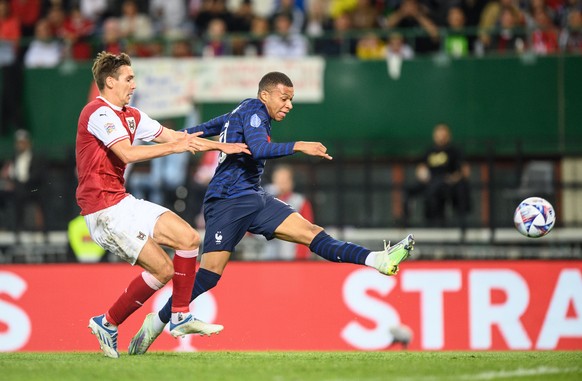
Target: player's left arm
(211, 128)
(312, 149)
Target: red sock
(139, 290)
(184, 274)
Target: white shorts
(123, 229)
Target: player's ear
(109, 82)
(263, 95)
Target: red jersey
(100, 171)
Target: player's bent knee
(189, 240)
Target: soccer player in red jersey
(134, 229)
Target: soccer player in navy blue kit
(235, 202)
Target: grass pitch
(300, 366)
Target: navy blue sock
(205, 280)
(338, 251)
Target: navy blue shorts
(228, 220)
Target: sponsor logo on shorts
(218, 237)
(141, 236)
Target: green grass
(300, 366)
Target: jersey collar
(116, 108)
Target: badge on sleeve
(109, 127)
(255, 121)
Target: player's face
(279, 101)
(123, 87)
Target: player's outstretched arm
(312, 149)
(198, 144)
(128, 153)
(211, 145)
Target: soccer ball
(534, 217)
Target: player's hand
(232, 148)
(184, 142)
(200, 144)
(312, 149)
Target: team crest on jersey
(255, 121)
(218, 237)
(131, 123)
(109, 128)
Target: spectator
(134, 25)
(317, 20)
(442, 177)
(285, 43)
(9, 34)
(564, 9)
(295, 14)
(259, 32)
(23, 176)
(240, 25)
(210, 10)
(77, 31)
(283, 187)
(535, 6)
(215, 43)
(365, 16)
(170, 18)
(370, 47)
(510, 38)
(95, 10)
(28, 12)
(472, 10)
(411, 14)
(341, 7)
(544, 37)
(457, 42)
(491, 18)
(396, 51)
(340, 42)
(243, 17)
(44, 50)
(111, 37)
(571, 36)
(56, 17)
(398, 47)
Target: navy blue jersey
(240, 174)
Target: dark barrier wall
(499, 100)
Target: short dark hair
(107, 65)
(273, 79)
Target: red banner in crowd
(448, 305)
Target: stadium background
(505, 112)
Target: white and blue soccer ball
(534, 217)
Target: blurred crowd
(44, 33)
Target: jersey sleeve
(256, 131)
(106, 126)
(210, 128)
(147, 129)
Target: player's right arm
(128, 153)
(201, 144)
